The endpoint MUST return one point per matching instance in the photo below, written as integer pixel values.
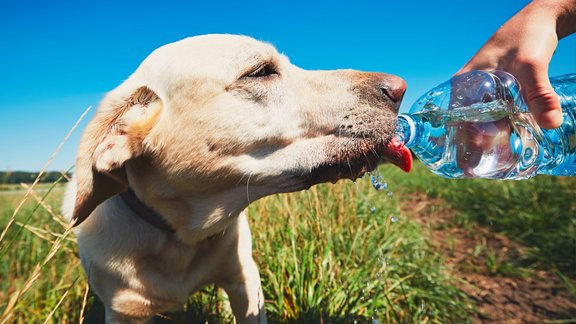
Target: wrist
(566, 23)
(562, 11)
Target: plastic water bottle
(476, 125)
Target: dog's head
(223, 114)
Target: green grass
(323, 254)
(539, 213)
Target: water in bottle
(477, 125)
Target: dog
(201, 129)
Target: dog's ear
(115, 135)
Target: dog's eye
(264, 70)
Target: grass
(539, 213)
(350, 262)
(32, 280)
(324, 254)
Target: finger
(477, 64)
(538, 94)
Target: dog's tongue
(398, 154)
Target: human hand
(524, 46)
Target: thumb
(541, 99)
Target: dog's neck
(146, 213)
(149, 215)
(193, 216)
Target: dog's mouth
(362, 158)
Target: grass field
(334, 253)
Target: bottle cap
(406, 129)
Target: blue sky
(59, 57)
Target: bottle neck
(406, 130)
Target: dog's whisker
(350, 168)
(367, 160)
(248, 188)
(371, 148)
(240, 180)
(338, 155)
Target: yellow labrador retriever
(204, 127)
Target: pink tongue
(399, 155)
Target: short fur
(201, 129)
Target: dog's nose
(393, 87)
